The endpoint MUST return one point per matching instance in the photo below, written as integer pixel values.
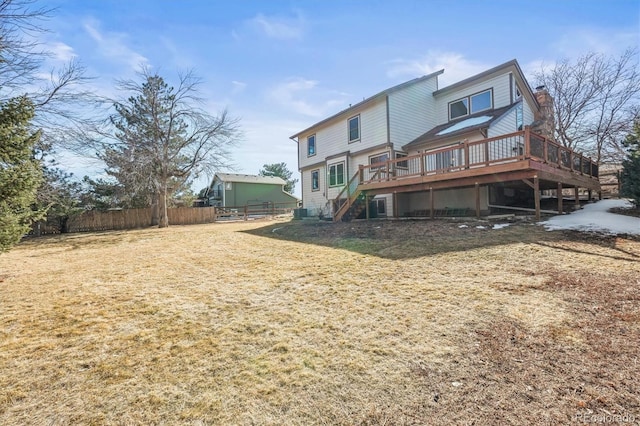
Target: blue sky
(281, 66)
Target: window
(336, 174)
(459, 108)
(315, 180)
(354, 128)
(471, 104)
(444, 160)
(517, 94)
(402, 164)
(380, 205)
(311, 145)
(376, 159)
(481, 101)
(519, 119)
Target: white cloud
(456, 67)
(579, 41)
(280, 28)
(113, 45)
(291, 94)
(61, 52)
(238, 86)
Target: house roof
(473, 122)
(373, 98)
(511, 65)
(232, 177)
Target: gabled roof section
(481, 120)
(371, 99)
(240, 178)
(511, 66)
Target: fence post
(246, 212)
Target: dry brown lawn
(300, 323)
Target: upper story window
(377, 160)
(336, 174)
(471, 104)
(403, 164)
(354, 128)
(311, 145)
(519, 117)
(315, 180)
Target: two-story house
(416, 149)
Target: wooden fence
(112, 220)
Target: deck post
(477, 200)
(395, 204)
(590, 195)
(466, 153)
(361, 173)
(366, 205)
(536, 196)
(576, 195)
(559, 194)
(527, 141)
(431, 203)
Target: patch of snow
(465, 123)
(463, 226)
(500, 225)
(595, 217)
(480, 227)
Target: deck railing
(485, 153)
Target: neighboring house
(237, 190)
(416, 149)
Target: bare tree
(60, 100)
(160, 137)
(596, 98)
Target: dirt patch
(629, 211)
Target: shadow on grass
(408, 239)
(82, 240)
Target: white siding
(412, 112)
(501, 95)
(503, 125)
(332, 137)
(528, 116)
(314, 201)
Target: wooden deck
(520, 158)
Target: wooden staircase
(351, 201)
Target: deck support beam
(366, 205)
(477, 200)
(431, 203)
(559, 195)
(536, 196)
(395, 204)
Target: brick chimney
(544, 120)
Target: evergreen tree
(20, 173)
(280, 170)
(630, 175)
(161, 139)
